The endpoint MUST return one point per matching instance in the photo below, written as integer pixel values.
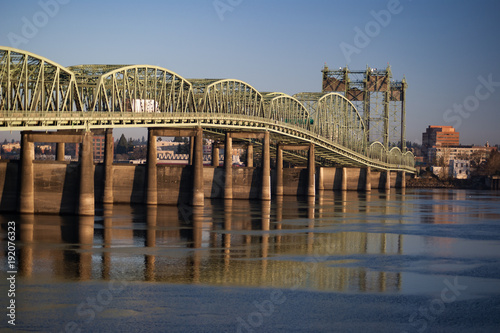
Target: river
(412, 260)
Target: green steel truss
(38, 94)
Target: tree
(184, 147)
(139, 153)
(493, 163)
(122, 146)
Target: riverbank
(475, 183)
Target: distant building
(8, 147)
(438, 136)
(99, 143)
(459, 169)
(478, 154)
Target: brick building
(438, 136)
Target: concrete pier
(215, 154)
(85, 196)
(387, 181)
(86, 201)
(198, 191)
(311, 168)
(60, 151)
(344, 179)
(279, 170)
(403, 180)
(266, 168)
(151, 194)
(228, 167)
(191, 150)
(27, 195)
(250, 155)
(108, 167)
(321, 179)
(368, 182)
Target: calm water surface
(414, 261)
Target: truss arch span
(133, 88)
(32, 83)
(228, 96)
(287, 109)
(337, 119)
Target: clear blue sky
(442, 47)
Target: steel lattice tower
(380, 101)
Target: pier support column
(228, 167)
(387, 180)
(108, 167)
(368, 177)
(403, 179)
(321, 179)
(250, 155)
(60, 151)
(311, 168)
(86, 202)
(344, 179)
(151, 194)
(198, 192)
(27, 195)
(191, 150)
(215, 154)
(279, 170)
(266, 168)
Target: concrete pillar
(151, 194)
(215, 154)
(368, 176)
(279, 170)
(250, 155)
(321, 179)
(191, 150)
(60, 151)
(387, 180)
(403, 179)
(198, 192)
(311, 168)
(266, 168)
(108, 167)
(27, 195)
(86, 202)
(228, 167)
(344, 179)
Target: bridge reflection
(311, 243)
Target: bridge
(52, 103)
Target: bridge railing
(395, 156)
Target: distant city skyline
(446, 50)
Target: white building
(460, 169)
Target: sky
(447, 50)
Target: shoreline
(476, 183)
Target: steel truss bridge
(39, 94)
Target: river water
(409, 261)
